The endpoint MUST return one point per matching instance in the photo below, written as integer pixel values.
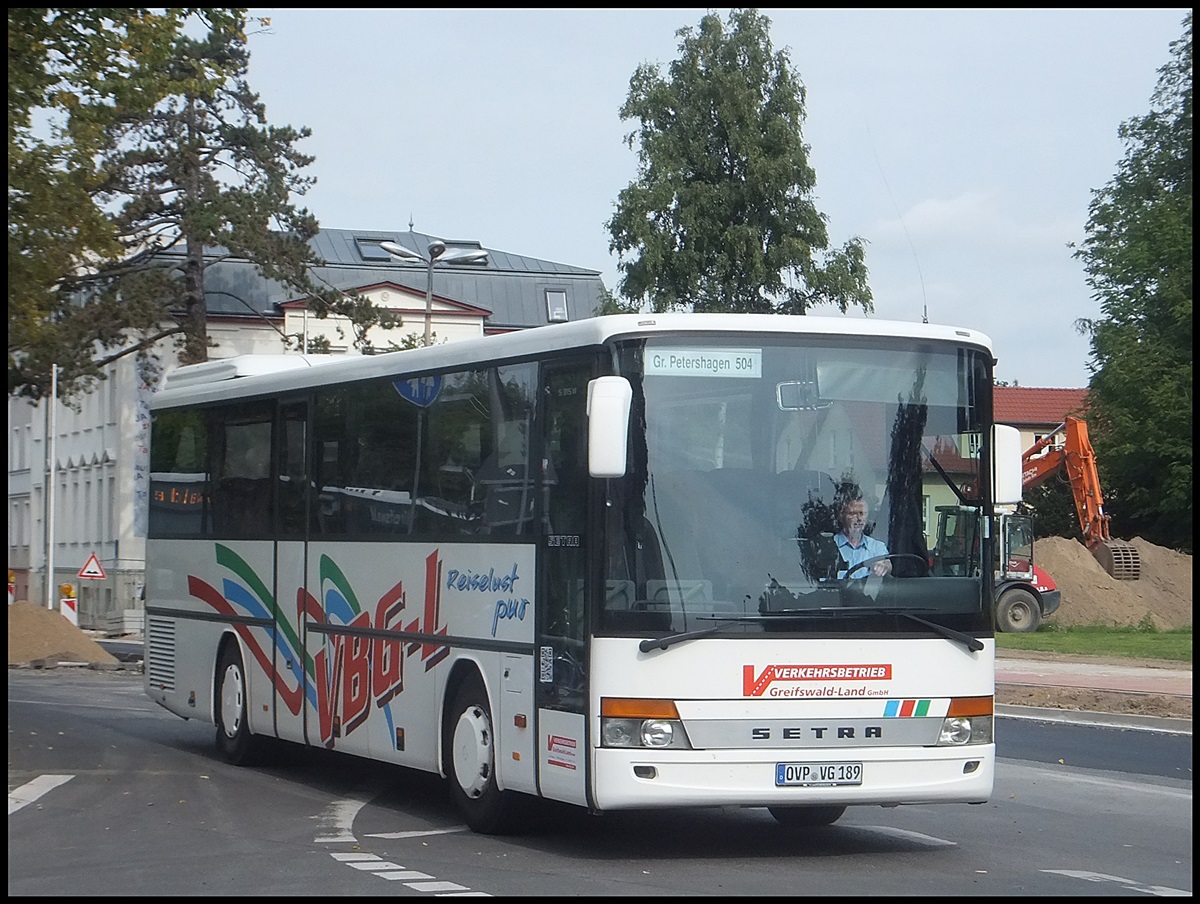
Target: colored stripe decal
(906, 709)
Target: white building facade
(85, 491)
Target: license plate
(789, 774)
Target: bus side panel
(380, 697)
(515, 755)
(173, 643)
(563, 756)
(198, 591)
(238, 583)
(290, 683)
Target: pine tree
(721, 217)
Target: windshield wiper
(971, 643)
(661, 643)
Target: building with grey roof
(96, 502)
(515, 291)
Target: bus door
(291, 520)
(562, 629)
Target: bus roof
(270, 374)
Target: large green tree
(721, 217)
(1138, 260)
(59, 60)
(163, 155)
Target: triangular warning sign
(92, 568)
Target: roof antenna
(924, 299)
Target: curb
(41, 664)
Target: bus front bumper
(636, 778)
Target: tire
(234, 740)
(469, 761)
(1018, 612)
(807, 817)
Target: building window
(1053, 441)
(371, 250)
(556, 305)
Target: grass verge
(1139, 642)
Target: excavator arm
(1077, 460)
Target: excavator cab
(1015, 549)
(956, 550)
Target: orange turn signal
(637, 708)
(970, 706)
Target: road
(110, 794)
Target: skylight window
(370, 251)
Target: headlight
(656, 733)
(618, 732)
(641, 722)
(958, 731)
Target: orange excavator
(1025, 593)
(1077, 461)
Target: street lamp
(437, 251)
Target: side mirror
(609, 400)
(1006, 465)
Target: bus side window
(180, 501)
(327, 480)
(242, 493)
(291, 470)
(475, 476)
(563, 610)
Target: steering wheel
(867, 563)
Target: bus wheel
(469, 743)
(806, 817)
(1018, 612)
(234, 740)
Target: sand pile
(38, 633)
(1090, 596)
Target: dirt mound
(37, 633)
(1090, 596)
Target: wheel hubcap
(472, 751)
(232, 698)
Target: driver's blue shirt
(852, 555)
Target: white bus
(593, 562)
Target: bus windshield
(792, 484)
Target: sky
(963, 146)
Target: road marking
(1134, 787)
(439, 887)
(1163, 891)
(419, 834)
(335, 824)
(1072, 717)
(414, 879)
(31, 791)
(908, 836)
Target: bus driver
(853, 544)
